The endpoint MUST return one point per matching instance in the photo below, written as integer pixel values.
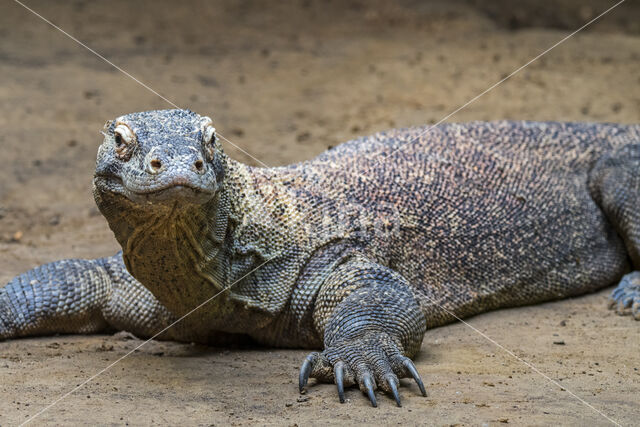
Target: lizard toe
(625, 298)
(342, 376)
(372, 362)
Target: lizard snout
(156, 163)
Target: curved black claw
(408, 363)
(368, 383)
(394, 390)
(372, 361)
(305, 371)
(339, 378)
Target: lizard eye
(209, 134)
(124, 139)
(209, 138)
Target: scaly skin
(356, 252)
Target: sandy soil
(285, 81)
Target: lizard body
(357, 251)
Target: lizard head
(164, 157)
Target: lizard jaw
(170, 194)
(181, 190)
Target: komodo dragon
(358, 251)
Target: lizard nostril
(155, 164)
(199, 165)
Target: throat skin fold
(186, 253)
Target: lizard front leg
(59, 297)
(80, 296)
(371, 325)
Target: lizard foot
(627, 296)
(371, 361)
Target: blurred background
(284, 80)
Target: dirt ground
(286, 80)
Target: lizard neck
(186, 254)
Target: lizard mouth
(171, 193)
(179, 189)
